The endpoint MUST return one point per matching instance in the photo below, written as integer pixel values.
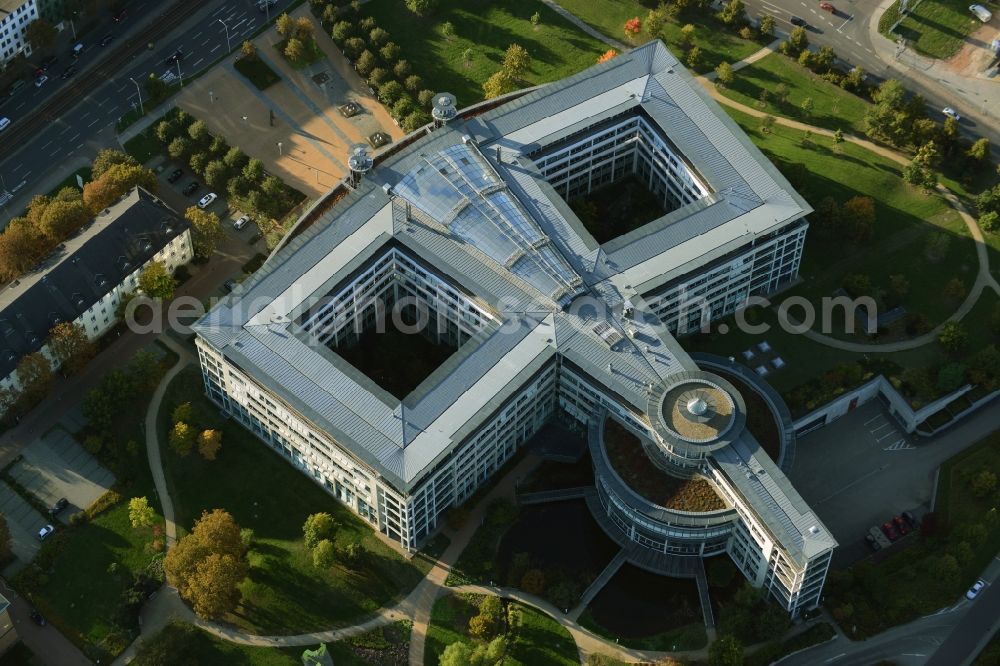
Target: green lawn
(932, 571)
(533, 638)
(255, 69)
(938, 28)
(284, 592)
(557, 48)
(833, 107)
(144, 145)
(717, 45)
(180, 644)
(70, 180)
(688, 637)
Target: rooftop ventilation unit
(443, 108)
(360, 163)
(610, 336)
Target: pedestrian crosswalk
(900, 445)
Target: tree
(216, 174)
(899, 286)
(179, 148)
(479, 627)
(22, 244)
(694, 58)
(980, 150)
(213, 587)
(254, 170)
(71, 347)
(247, 50)
(305, 29)
(182, 438)
(766, 27)
(482, 654)
(353, 46)
(317, 527)
(656, 19)
(140, 514)
(951, 377)
(448, 30)
(858, 217)
(606, 56)
(115, 182)
(157, 282)
(5, 551)
(807, 105)
(723, 74)
(41, 34)
(341, 31)
(734, 13)
(983, 483)
(767, 123)
(533, 581)
(285, 25)
(156, 88)
(798, 40)
(165, 131)
(377, 77)
(536, 20)
(218, 529)
(414, 83)
(324, 554)
(295, 50)
(838, 136)
(62, 218)
(499, 84)
(402, 68)
(415, 120)
(725, 651)
(632, 28)
(34, 373)
(206, 231)
(378, 36)
(953, 337)
(209, 443)
(516, 61)
(234, 158)
(198, 131)
(421, 7)
(424, 97)
(182, 412)
(687, 36)
(990, 221)
(107, 158)
(954, 290)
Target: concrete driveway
(55, 466)
(24, 523)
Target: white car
(4, 123)
(207, 200)
(981, 13)
(45, 531)
(242, 222)
(951, 113)
(40, 81)
(976, 588)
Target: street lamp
(229, 48)
(279, 149)
(211, 96)
(179, 75)
(138, 90)
(245, 120)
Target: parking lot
(861, 471)
(56, 466)
(24, 523)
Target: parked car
(264, 5)
(45, 531)
(77, 50)
(175, 175)
(41, 80)
(981, 13)
(191, 188)
(120, 16)
(901, 525)
(827, 7)
(176, 57)
(951, 113)
(229, 285)
(68, 72)
(207, 200)
(48, 62)
(976, 588)
(890, 531)
(37, 618)
(4, 123)
(872, 542)
(911, 519)
(242, 222)
(60, 504)
(795, 20)
(107, 39)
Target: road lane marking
(79, 146)
(842, 654)
(197, 34)
(205, 43)
(219, 10)
(236, 25)
(47, 144)
(849, 19)
(54, 153)
(197, 62)
(217, 47)
(888, 434)
(75, 137)
(874, 418)
(875, 430)
(96, 120)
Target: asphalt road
(846, 31)
(202, 39)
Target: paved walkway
(596, 34)
(984, 279)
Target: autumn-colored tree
(62, 218)
(499, 84)
(295, 50)
(22, 245)
(607, 55)
(71, 347)
(533, 581)
(41, 34)
(140, 514)
(305, 29)
(248, 51)
(157, 282)
(34, 372)
(182, 412)
(858, 217)
(723, 74)
(633, 27)
(107, 158)
(182, 438)
(115, 182)
(208, 565)
(516, 61)
(209, 443)
(213, 587)
(285, 25)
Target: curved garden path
(984, 279)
